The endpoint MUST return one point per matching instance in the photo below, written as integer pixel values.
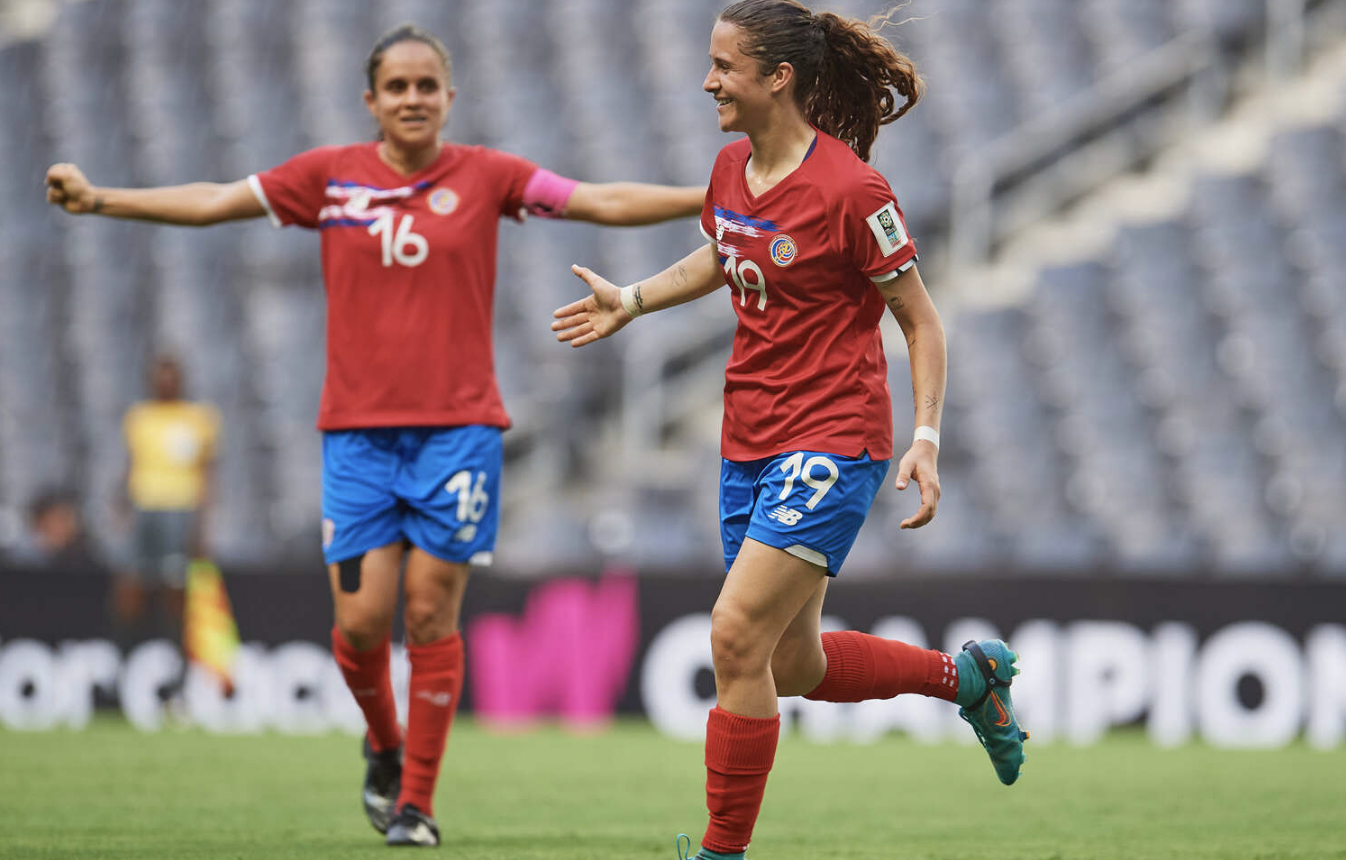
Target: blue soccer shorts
(808, 503)
(437, 487)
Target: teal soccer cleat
(684, 843)
(991, 713)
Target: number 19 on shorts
(796, 468)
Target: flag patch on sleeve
(888, 229)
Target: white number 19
(795, 468)
(739, 271)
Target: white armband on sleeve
(888, 276)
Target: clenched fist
(69, 188)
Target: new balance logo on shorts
(439, 700)
(786, 516)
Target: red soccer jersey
(807, 370)
(409, 267)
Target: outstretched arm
(606, 310)
(916, 314)
(195, 205)
(632, 203)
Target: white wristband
(630, 302)
(929, 434)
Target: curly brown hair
(846, 72)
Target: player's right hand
(68, 188)
(919, 465)
(593, 317)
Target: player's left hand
(593, 317)
(69, 188)
(919, 464)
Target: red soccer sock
(436, 681)
(739, 754)
(369, 677)
(861, 667)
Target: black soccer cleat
(412, 827)
(383, 781)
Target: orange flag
(209, 633)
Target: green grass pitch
(110, 792)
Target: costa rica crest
(442, 201)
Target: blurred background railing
(1132, 215)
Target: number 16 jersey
(801, 259)
(409, 268)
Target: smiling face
(744, 96)
(411, 95)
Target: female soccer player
(410, 410)
(812, 245)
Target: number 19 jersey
(409, 268)
(801, 259)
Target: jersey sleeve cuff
(256, 185)
(702, 228)
(888, 276)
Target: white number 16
(395, 245)
(472, 500)
(795, 467)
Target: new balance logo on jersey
(733, 224)
(357, 205)
(358, 202)
(439, 700)
(786, 516)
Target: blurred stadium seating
(1173, 404)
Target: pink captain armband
(546, 194)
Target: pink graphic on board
(569, 655)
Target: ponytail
(853, 95)
(845, 72)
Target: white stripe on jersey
(345, 192)
(256, 185)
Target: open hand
(919, 464)
(593, 317)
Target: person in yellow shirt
(170, 443)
